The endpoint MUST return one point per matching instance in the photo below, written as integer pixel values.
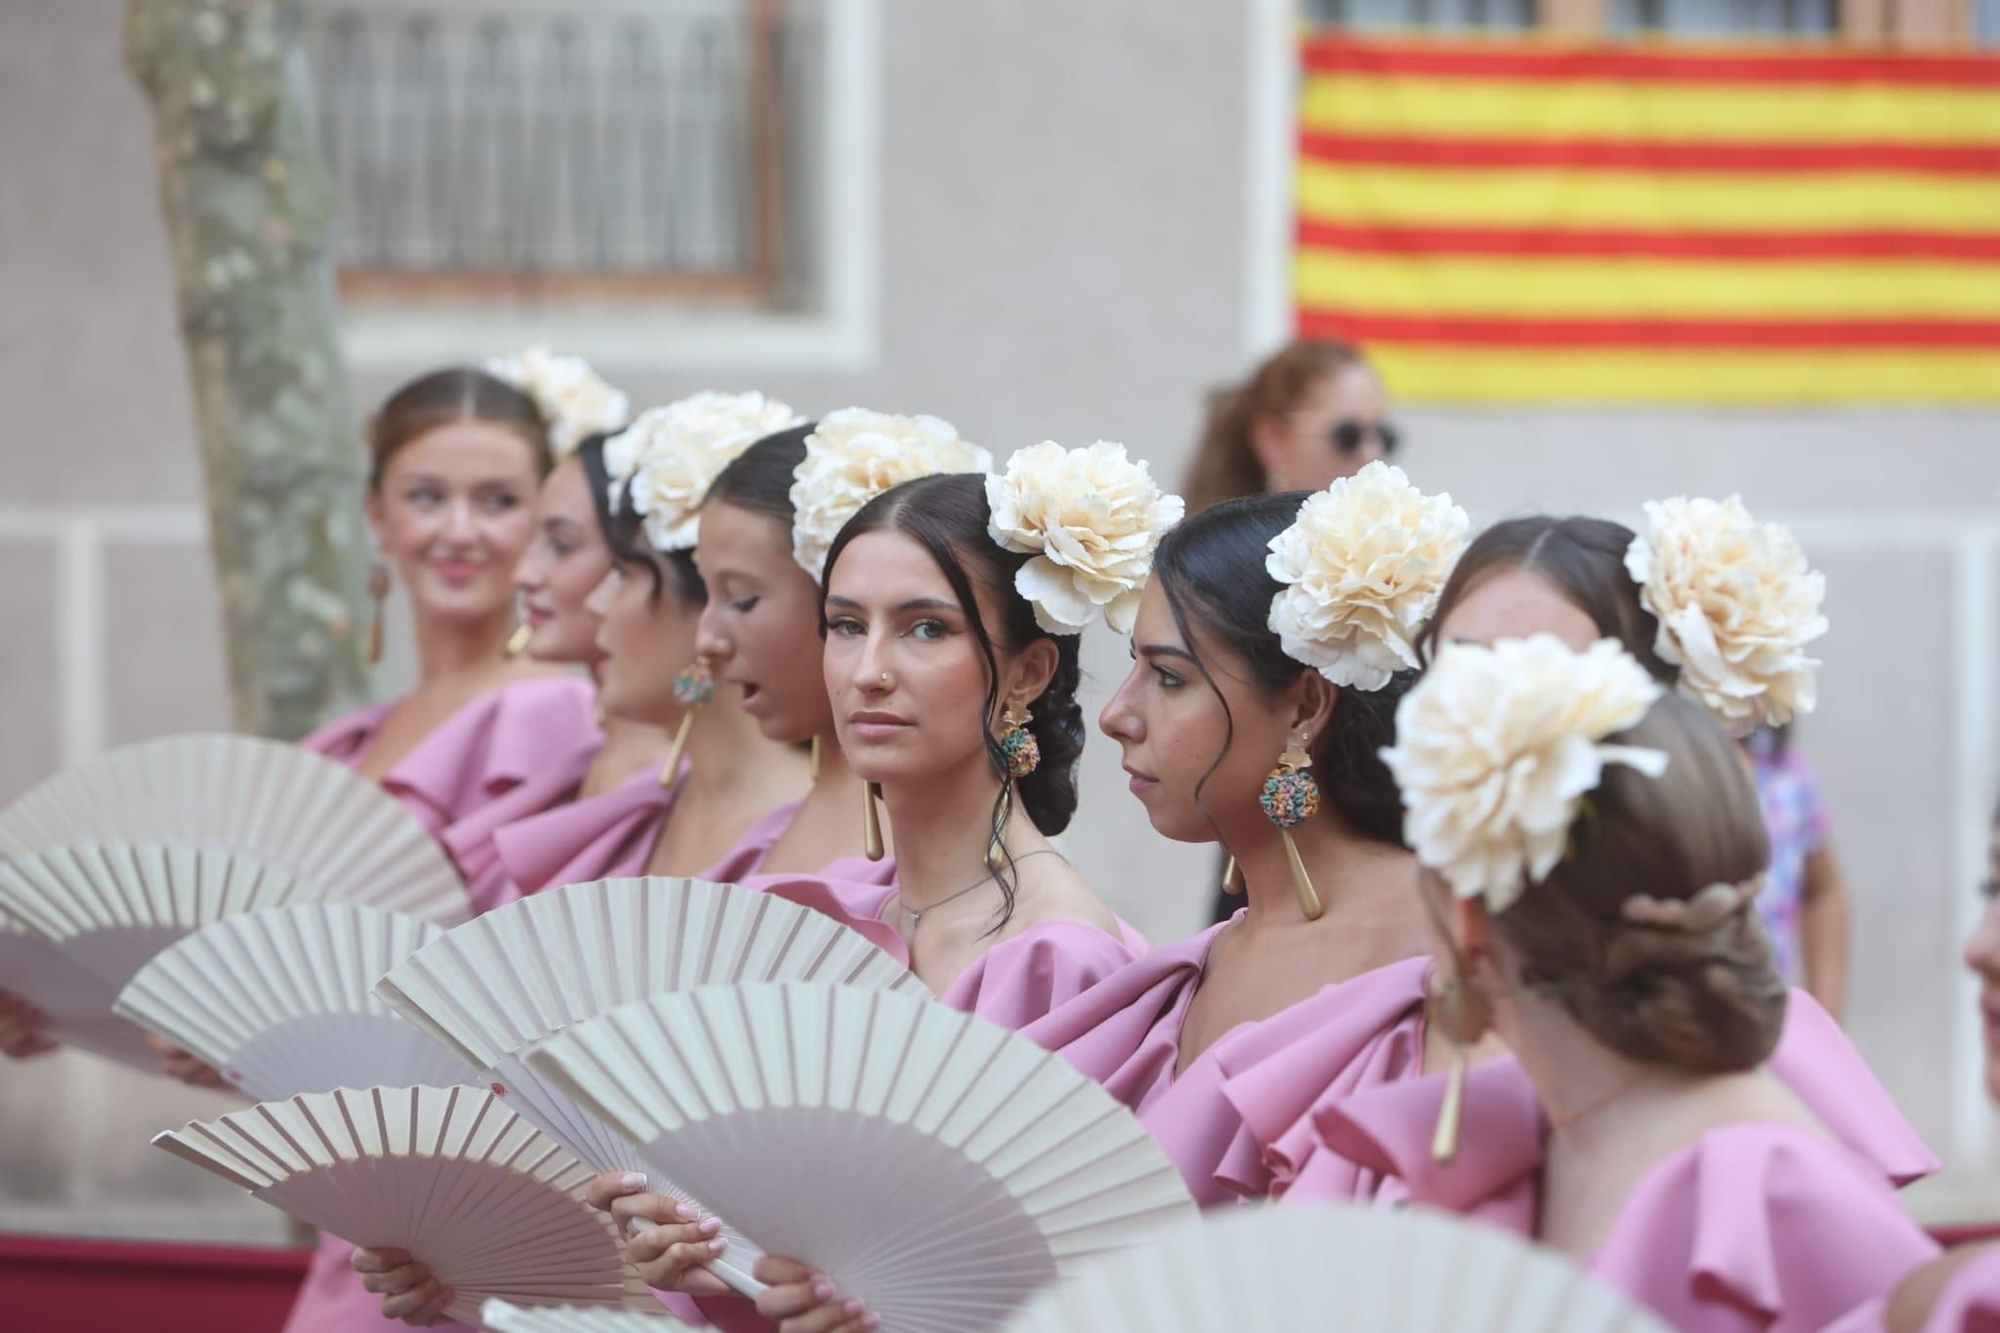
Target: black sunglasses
(1348, 436)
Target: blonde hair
(1225, 463)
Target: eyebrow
(1152, 650)
(914, 604)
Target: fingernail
(685, 1213)
(872, 1321)
(850, 1307)
(631, 1180)
(710, 1226)
(717, 1246)
(822, 1291)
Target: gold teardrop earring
(1463, 1015)
(871, 824)
(1291, 797)
(517, 642)
(378, 592)
(692, 688)
(1232, 878)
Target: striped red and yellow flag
(1527, 222)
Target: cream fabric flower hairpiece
(1737, 605)
(854, 455)
(1497, 747)
(575, 400)
(671, 455)
(1091, 518)
(1363, 566)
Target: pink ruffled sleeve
(1761, 1227)
(1019, 980)
(347, 738)
(1824, 1070)
(493, 745)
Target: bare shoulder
(1050, 890)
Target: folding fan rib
(267, 800)
(449, 1174)
(1263, 1270)
(502, 1317)
(936, 1165)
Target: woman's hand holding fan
(184, 1065)
(798, 1298)
(23, 1028)
(409, 1290)
(668, 1242)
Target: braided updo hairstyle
(948, 517)
(1701, 995)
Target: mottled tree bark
(248, 217)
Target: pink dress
(1753, 1226)
(1013, 983)
(512, 744)
(1229, 1120)
(1969, 1303)
(518, 743)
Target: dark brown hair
(1212, 570)
(625, 533)
(1583, 558)
(760, 478)
(1707, 1000)
(948, 516)
(445, 396)
(1225, 462)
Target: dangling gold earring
(517, 642)
(1019, 750)
(692, 688)
(871, 824)
(1291, 797)
(1462, 1014)
(378, 591)
(1232, 878)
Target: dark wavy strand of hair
(1211, 569)
(948, 517)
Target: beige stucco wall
(1066, 229)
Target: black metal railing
(552, 144)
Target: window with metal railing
(1752, 18)
(1364, 15)
(601, 150)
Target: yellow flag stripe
(1417, 196)
(1734, 378)
(1677, 113)
(1536, 287)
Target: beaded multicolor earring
(1291, 797)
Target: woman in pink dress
(1593, 846)
(455, 461)
(1221, 1041)
(645, 610)
(1573, 578)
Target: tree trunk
(248, 218)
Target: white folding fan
(449, 1174)
(500, 1317)
(104, 909)
(282, 1001)
(274, 802)
(493, 986)
(72, 999)
(933, 1164)
(1334, 1267)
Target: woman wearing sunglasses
(1312, 413)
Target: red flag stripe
(1334, 55)
(1773, 246)
(1640, 155)
(1715, 334)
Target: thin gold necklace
(916, 914)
